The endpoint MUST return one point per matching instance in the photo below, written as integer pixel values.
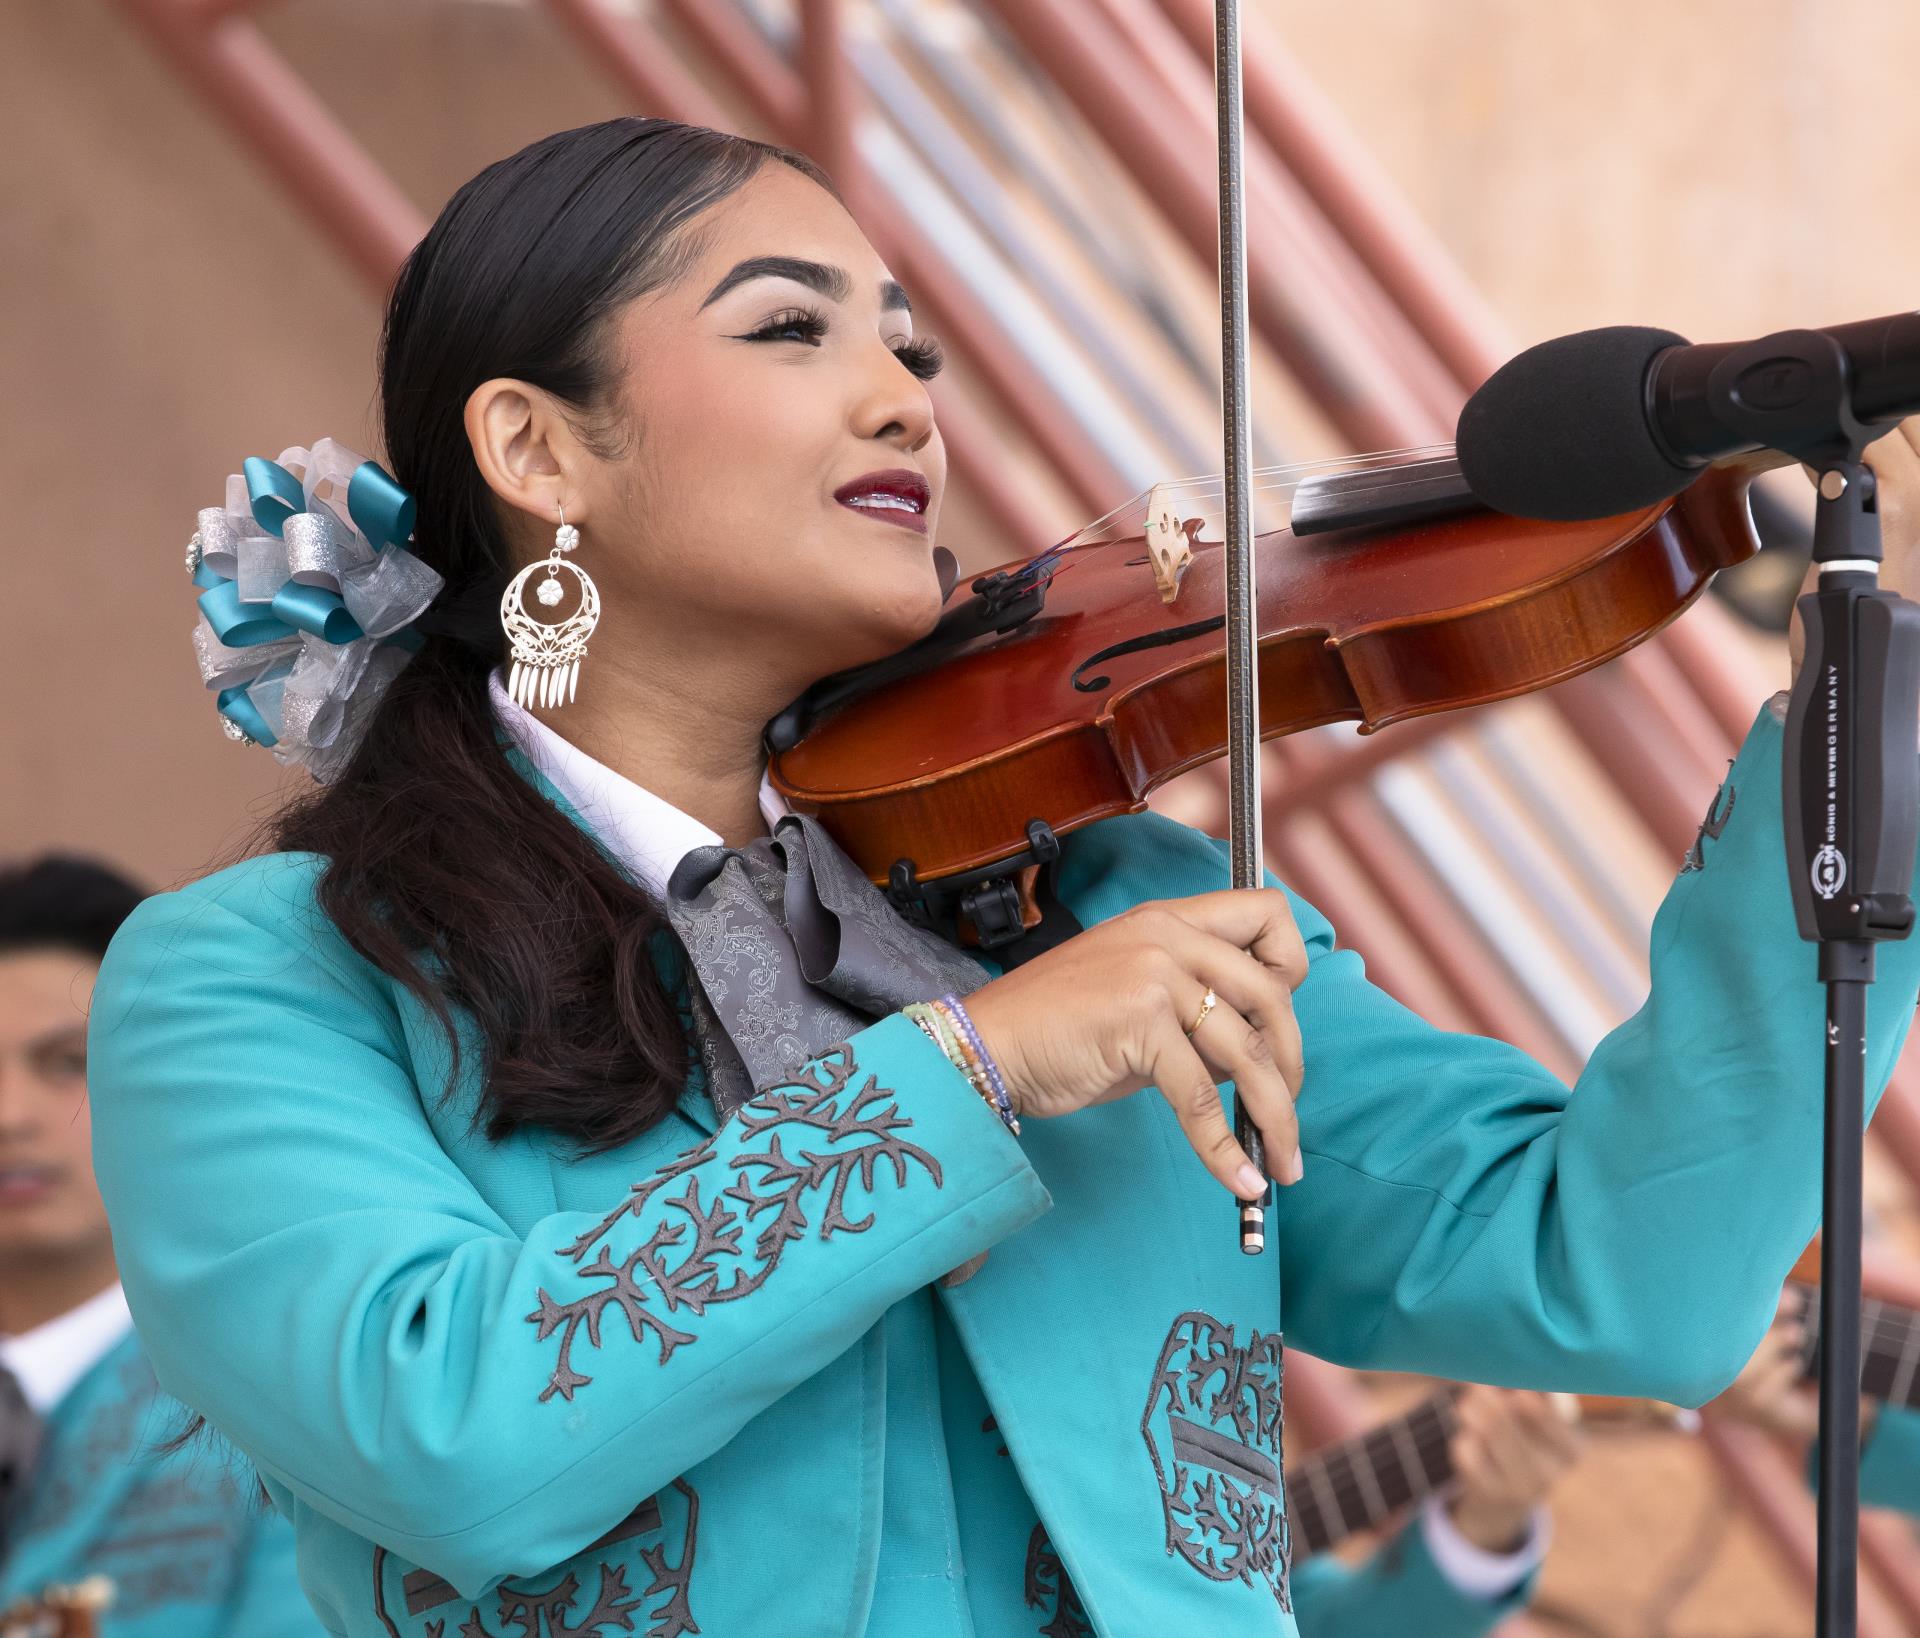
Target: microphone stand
(1851, 804)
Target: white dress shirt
(648, 835)
(48, 1360)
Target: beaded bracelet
(939, 1021)
(970, 1036)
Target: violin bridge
(1169, 542)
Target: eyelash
(923, 357)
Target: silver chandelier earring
(546, 658)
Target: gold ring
(1207, 1003)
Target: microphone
(1611, 420)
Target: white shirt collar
(645, 833)
(48, 1360)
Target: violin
(1067, 688)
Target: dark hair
(63, 902)
(444, 867)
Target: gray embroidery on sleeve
(1047, 1580)
(817, 1138)
(1212, 1426)
(1719, 811)
(635, 1550)
(1046, 1585)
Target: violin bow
(1244, 843)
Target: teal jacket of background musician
(1890, 1463)
(497, 1383)
(189, 1546)
(1398, 1591)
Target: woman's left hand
(1895, 460)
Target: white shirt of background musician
(50, 1359)
(1470, 1567)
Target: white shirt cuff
(1473, 1570)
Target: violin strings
(1414, 463)
(1423, 455)
(1396, 468)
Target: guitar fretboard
(1889, 1348)
(1362, 1483)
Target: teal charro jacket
(649, 1385)
(191, 1550)
(1397, 1591)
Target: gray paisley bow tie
(793, 950)
(21, 1435)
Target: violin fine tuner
(1169, 542)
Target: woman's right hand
(1108, 1012)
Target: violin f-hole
(1139, 645)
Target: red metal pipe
(833, 100)
(1437, 926)
(1317, 770)
(728, 37)
(1347, 185)
(1773, 1489)
(1670, 799)
(1026, 395)
(1632, 719)
(653, 77)
(1353, 387)
(1315, 256)
(1093, 71)
(331, 176)
(1720, 666)
(1324, 878)
(1886, 1544)
(1663, 696)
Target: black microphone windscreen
(1560, 431)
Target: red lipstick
(898, 496)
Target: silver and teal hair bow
(306, 596)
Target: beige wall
(1718, 166)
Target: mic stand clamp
(1851, 795)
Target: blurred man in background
(84, 1487)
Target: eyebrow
(831, 282)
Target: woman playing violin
(593, 1210)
